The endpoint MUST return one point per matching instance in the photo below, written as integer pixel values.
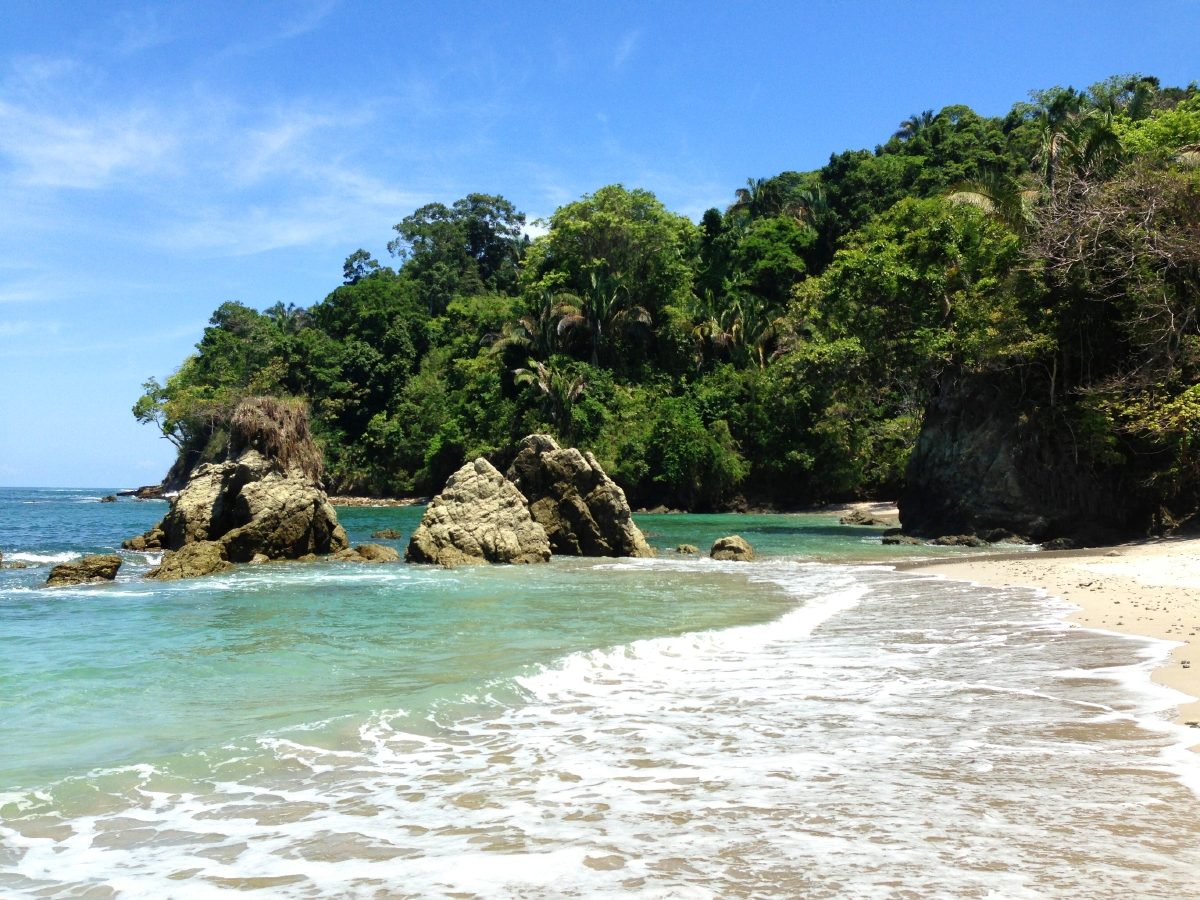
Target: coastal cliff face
(985, 460)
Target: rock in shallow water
(266, 500)
(191, 561)
(479, 517)
(583, 511)
(95, 568)
(369, 553)
(733, 547)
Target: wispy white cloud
(64, 151)
(20, 292)
(141, 29)
(16, 327)
(65, 340)
(189, 169)
(625, 49)
(307, 18)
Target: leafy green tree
(359, 265)
(616, 237)
(1166, 132)
(769, 258)
(696, 465)
(558, 389)
(472, 247)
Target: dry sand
(1150, 588)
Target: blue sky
(159, 159)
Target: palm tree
(536, 332)
(716, 330)
(606, 309)
(914, 125)
(558, 389)
(1077, 130)
(998, 196)
(757, 199)
(756, 329)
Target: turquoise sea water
(801, 726)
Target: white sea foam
(41, 559)
(888, 736)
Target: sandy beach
(1149, 588)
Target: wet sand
(1150, 588)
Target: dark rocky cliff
(989, 458)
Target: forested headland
(1027, 287)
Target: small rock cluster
(552, 500)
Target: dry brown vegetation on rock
(277, 427)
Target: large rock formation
(986, 461)
(583, 511)
(96, 568)
(478, 517)
(265, 499)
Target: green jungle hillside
(1033, 278)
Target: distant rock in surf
(146, 492)
(265, 499)
(479, 517)
(369, 553)
(98, 567)
(733, 547)
(862, 517)
(583, 511)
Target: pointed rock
(583, 511)
(478, 517)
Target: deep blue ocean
(809, 725)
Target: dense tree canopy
(786, 347)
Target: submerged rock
(959, 540)
(901, 540)
(109, 498)
(733, 547)
(369, 553)
(387, 534)
(94, 568)
(687, 548)
(266, 499)
(479, 516)
(583, 511)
